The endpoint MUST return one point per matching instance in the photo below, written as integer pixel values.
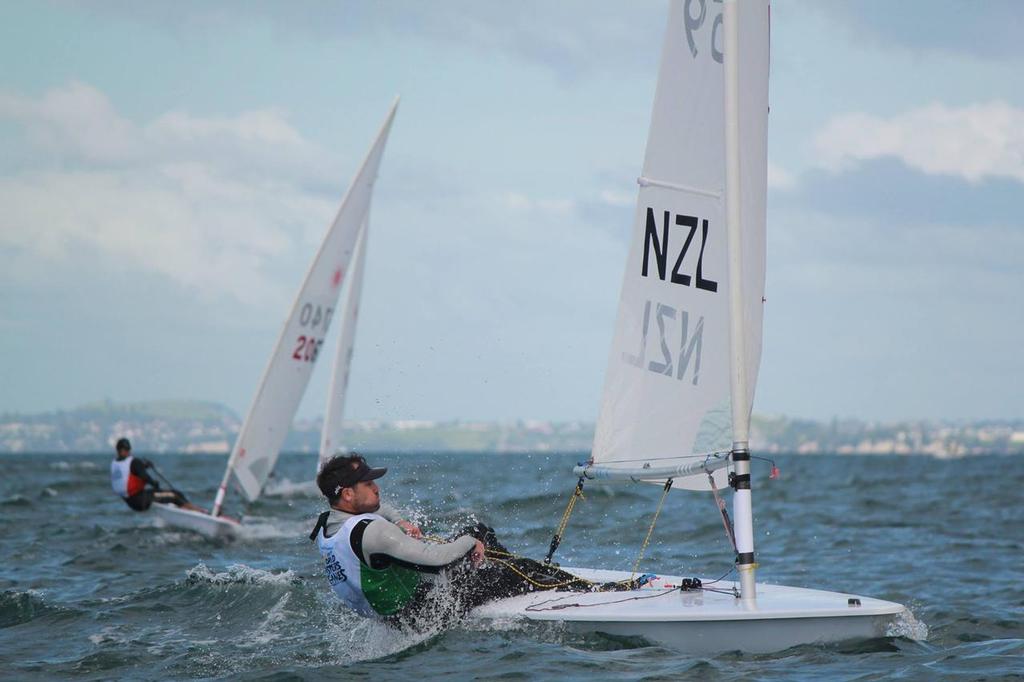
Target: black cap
(123, 444)
(344, 471)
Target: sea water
(91, 590)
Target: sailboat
(288, 371)
(685, 354)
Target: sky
(169, 169)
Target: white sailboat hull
(204, 524)
(704, 622)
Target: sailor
(130, 480)
(379, 569)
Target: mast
(742, 504)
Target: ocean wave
(20, 606)
(354, 639)
(287, 489)
(240, 574)
(908, 626)
(260, 528)
(74, 466)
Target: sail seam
(649, 182)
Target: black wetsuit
(502, 575)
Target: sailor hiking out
(131, 481)
(380, 567)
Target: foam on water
(82, 465)
(908, 626)
(286, 488)
(240, 574)
(269, 629)
(353, 639)
(255, 529)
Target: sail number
(307, 348)
(672, 357)
(315, 318)
(660, 247)
(695, 13)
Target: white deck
(702, 621)
(204, 524)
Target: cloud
(989, 29)
(76, 120)
(517, 201)
(882, 231)
(891, 191)
(975, 142)
(213, 204)
(569, 37)
(77, 123)
(779, 178)
(618, 198)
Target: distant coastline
(196, 427)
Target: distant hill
(156, 409)
(192, 426)
(154, 426)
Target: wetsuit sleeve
(389, 513)
(139, 469)
(384, 542)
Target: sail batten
(649, 182)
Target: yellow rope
(643, 547)
(536, 583)
(493, 555)
(501, 557)
(577, 494)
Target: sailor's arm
(138, 467)
(389, 512)
(395, 517)
(384, 541)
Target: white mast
(742, 504)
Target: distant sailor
(130, 480)
(376, 566)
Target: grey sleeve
(389, 512)
(384, 540)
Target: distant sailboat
(287, 374)
(686, 350)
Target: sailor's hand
(410, 529)
(476, 557)
(147, 463)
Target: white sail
(330, 436)
(667, 390)
(285, 379)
